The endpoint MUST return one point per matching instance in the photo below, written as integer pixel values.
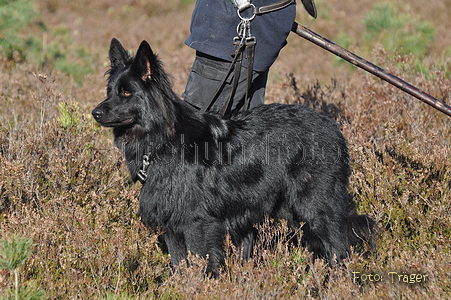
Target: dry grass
(67, 187)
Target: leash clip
(142, 174)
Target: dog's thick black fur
(209, 176)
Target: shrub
(69, 114)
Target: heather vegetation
(68, 223)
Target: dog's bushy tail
(361, 233)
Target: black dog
(205, 176)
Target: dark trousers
(205, 77)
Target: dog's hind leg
(325, 216)
(326, 239)
(360, 229)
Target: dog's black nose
(97, 113)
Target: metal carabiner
(243, 29)
(252, 6)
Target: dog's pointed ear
(146, 61)
(118, 54)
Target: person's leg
(203, 81)
(205, 77)
(257, 89)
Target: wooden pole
(356, 60)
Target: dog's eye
(126, 93)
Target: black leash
(250, 54)
(245, 40)
(239, 49)
(237, 57)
